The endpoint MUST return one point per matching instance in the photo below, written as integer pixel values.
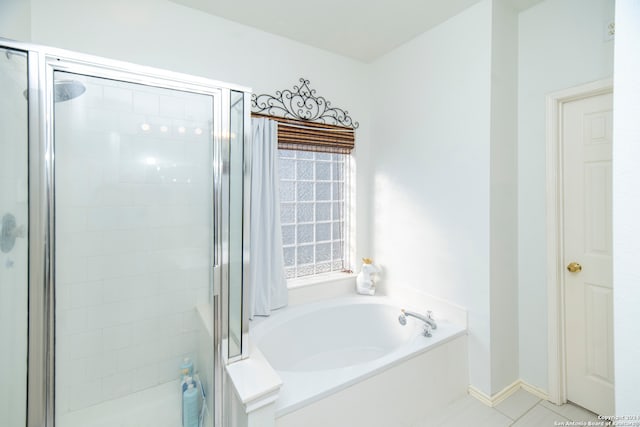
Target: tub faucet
(429, 323)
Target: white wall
(445, 210)
(504, 196)
(15, 19)
(431, 146)
(626, 196)
(561, 44)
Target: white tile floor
(521, 409)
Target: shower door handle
(216, 279)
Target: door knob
(574, 267)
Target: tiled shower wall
(133, 185)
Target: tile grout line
(554, 406)
(556, 412)
(506, 415)
(525, 413)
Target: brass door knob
(574, 267)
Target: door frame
(556, 362)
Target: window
(314, 208)
(315, 141)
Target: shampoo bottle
(190, 414)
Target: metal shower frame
(42, 63)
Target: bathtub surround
(268, 286)
(331, 286)
(350, 354)
(253, 387)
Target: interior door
(587, 145)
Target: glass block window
(313, 211)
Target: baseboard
(497, 398)
(534, 390)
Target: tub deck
(332, 352)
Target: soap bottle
(186, 369)
(190, 414)
(184, 385)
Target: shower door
(13, 242)
(134, 248)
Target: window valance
(307, 122)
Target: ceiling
(359, 29)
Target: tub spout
(428, 320)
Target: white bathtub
(322, 348)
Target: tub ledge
(256, 388)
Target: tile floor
(521, 409)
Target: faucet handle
(427, 330)
(429, 314)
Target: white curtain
(268, 284)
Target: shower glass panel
(133, 241)
(236, 194)
(13, 233)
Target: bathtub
(343, 357)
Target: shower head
(64, 90)
(68, 89)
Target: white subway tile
(117, 385)
(71, 218)
(145, 103)
(85, 295)
(159, 261)
(79, 243)
(81, 345)
(169, 369)
(124, 241)
(190, 321)
(101, 365)
(103, 316)
(116, 217)
(84, 394)
(116, 289)
(71, 269)
(96, 266)
(71, 321)
(115, 194)
(116, 98)
(189, 343)
(130, 358)
(145, 377)
(171, 106)
(117, 337)
(101, 120)
(70, 372)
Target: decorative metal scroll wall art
(301, 103)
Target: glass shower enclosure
(14, 213)
(119, 296)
